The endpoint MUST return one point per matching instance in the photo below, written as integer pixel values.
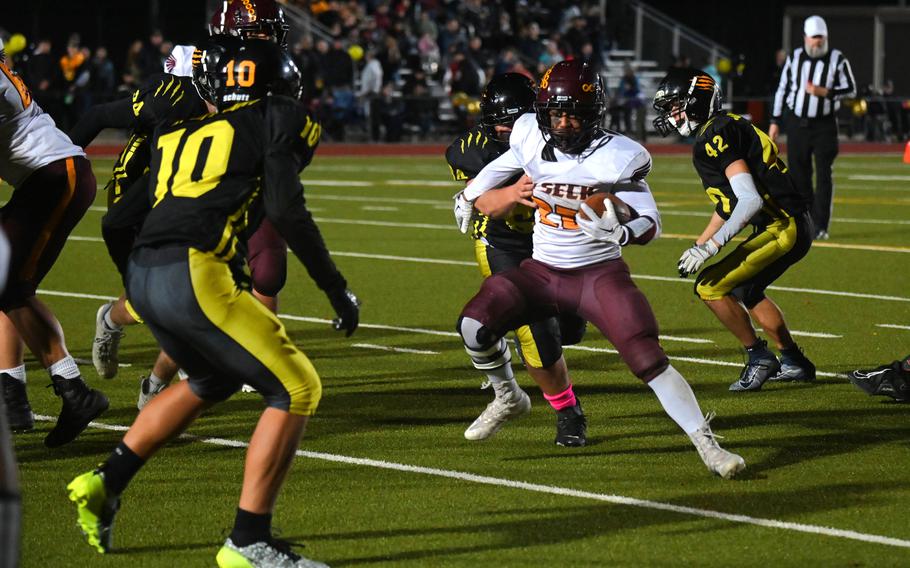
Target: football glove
(692, 260)
(464, 210)
(605, 228)
(347, 307)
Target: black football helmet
(575, 88)
(261, 19)
(685, 90)
(231, 71)
(506, 97)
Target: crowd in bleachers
(406, 69)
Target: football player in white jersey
(53, 186)
(577, 264)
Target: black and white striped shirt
(831, 71)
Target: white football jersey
(29, 139)
(562, 182)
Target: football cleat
(888, 380)
(755, 373)
(718, 460)
(147, 392)
(273, 553)
(81, 405)
(18, 410)
(95, 509)
(571, 427)
(510, 402)
(106, 345)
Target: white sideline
(548, 489)
(892, 326)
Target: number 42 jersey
(211, 173)
(612, 162)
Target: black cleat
(888, 380)
(571, 427)
(795, 369)
(81, 405)
(18, 410)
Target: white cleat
(106, 345)
(718, 460)
(147, 392)
(509, 403)
(271, 554)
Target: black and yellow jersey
(727, 138)
(209, 174)
(162, 98)
(466, 157)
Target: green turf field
(387, 478)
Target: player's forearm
(713, 225)
(118, 114)
(492, 176)
(748, 203)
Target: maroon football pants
(602, 294)
(38, 219)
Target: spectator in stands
(41, 74)
(627, 100)
(74, 65)
(391, 113)
(897, 114)
(590, 56)
(370, 90)
(305, 57)
(132, 70)
(577, 35)
(103, 76)
(550, 57)
(151, 57)
(420, 107)
(390, 58)
(530, 44)
(481, 56)
(450, 36)
(426, 26)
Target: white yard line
(370, 208)
(548, 489)
(871, 177)
(636, 276)
(892, 326)
(395, 349)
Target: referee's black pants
(808, 137)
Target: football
(596, 202)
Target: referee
(812, 83)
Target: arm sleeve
(780, 95)
(117, 114)
(633, 189)
(283, 198)
(844, 85)
(748, 203)
(494, 175)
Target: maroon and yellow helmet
(575, 88)
(263, 19)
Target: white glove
(692, 260)
(464, 210)
(604, 228)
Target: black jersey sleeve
(116, 114)
(291, 141)
(166, 98)
(468, 154)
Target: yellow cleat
(96, 510)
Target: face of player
(502, 132)
(816, 46)
(564, 123)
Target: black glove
(347, 307)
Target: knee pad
(485, 349)
(572, 329)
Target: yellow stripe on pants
(245, 320)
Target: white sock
(678, 400)
(108, 322)
(155, 380)
(17, 373)
(65, 368)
